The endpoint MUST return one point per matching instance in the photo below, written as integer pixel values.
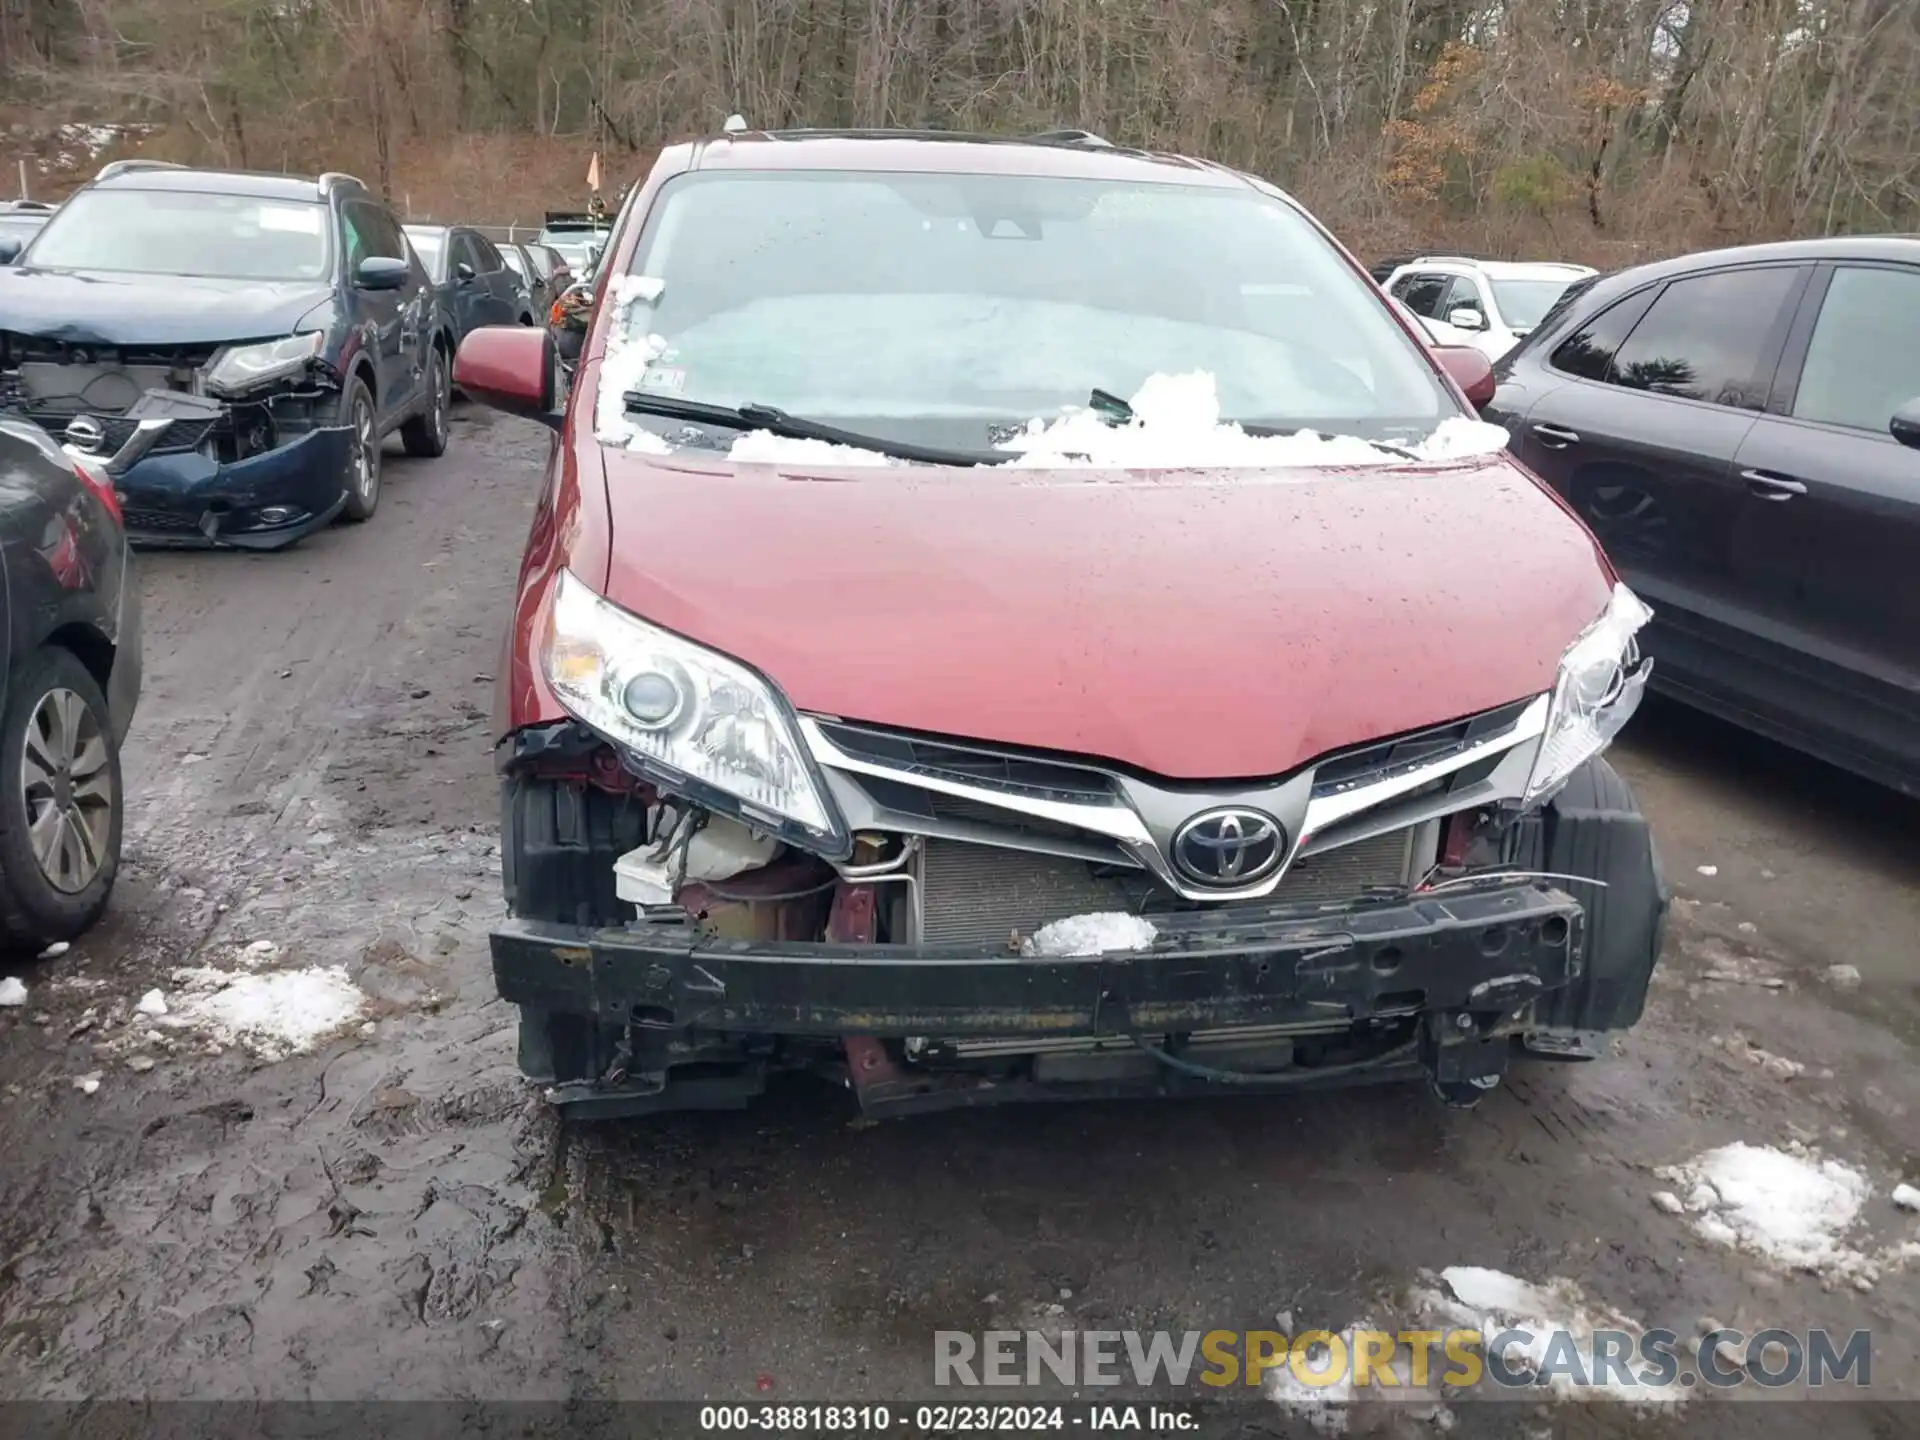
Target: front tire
(363, 466)
(61, 802)
(425, 435)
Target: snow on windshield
(1176, 422)
(1176, 425)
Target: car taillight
(94, 476)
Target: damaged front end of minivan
(243, 443)
(709, 886)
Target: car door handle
(1556, 437)
(1772, 487)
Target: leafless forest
(1608, 130)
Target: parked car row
(245, 344)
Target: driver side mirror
(1905, 425)
(511, 368)
(10, 248)
(463, 272)
(1466, 318)
(381, 272)
(1468, 369)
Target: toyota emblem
(1229, 847)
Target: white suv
(1495, 302)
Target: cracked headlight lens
(244, 366)
(695, 722)
(1601, 680)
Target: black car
(520, 259)
(72, 677)
(475, 285)
(279, 326)
(1741, 429)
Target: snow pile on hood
(1793, 1209)
(1176, 424)
(273, 1013)
(1494, 1303)
(1094, 934)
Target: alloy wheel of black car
(363, 463)
(425, 435)
(60, 801)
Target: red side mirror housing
(511, 368)
(1469, 369)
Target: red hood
(1215, 626)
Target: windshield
(1523, 303)
(431, 247)
(944, 309)
(176, 232)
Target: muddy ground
(394, 1216)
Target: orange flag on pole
(593, 173)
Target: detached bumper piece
(265, 502)
(621, 1020)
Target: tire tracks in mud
(309, 766)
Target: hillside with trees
(1607, 130)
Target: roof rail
(339, 177)
(122, 167)
(1446, 259)
(1071, 137)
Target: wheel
(61, 806)
(363, 467)
(425, 434)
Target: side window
(1863, 362)
(1589, 351)
(1462, 294)
(1706, 338)
(460, 252)
(377, 230)
(1423, 293)
(489, 256)
(354, 239)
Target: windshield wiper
(778, 422)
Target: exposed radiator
(981, 894)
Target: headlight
(1599, 686)
(245, 366)
(695, 722)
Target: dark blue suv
(242, 343)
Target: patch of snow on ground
(764, 447)
(1094, 934)
(1176, 424)
(1494, 1302)
(1792, 1209)
(152, 1003)
(1321, 1402)
(1906, 1197)
(273, 1013)
(13, 992)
